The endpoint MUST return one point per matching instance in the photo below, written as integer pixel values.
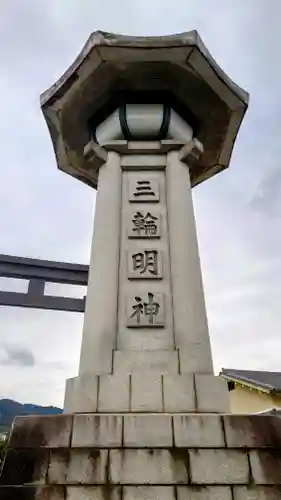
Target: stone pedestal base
(146, 392)
(143, 456)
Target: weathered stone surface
(219, 467)
(257, 492)
(86, 466)
(189, 310)
(58, 466)
(114, 393)
(266, 466)
(92, 473)
(99, 327)
(41, 431)
(195, 357)
(93, 493)
(204, 493)
(150, 466)
(212, 394)
(32, 493)
(24, 467)
(198, 431)
(146, 393)
(148, 493)
(179, 395)
(103, 431)
(148, 431)
(81, 394)
(253, 431)
(68, 405)
(144, 156)
(161, 362)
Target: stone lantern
(142, 121)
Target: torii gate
(39, 272)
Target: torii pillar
(143, 120)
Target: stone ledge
(144, 492)
(115, 430)
(137, 466)
(147, 452)
(145, 391)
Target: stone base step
(140, 392)
(143, 456)
(190, 492)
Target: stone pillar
(145, 340)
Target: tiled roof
(269, 381)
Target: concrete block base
(143, 457)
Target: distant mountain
(10, 409)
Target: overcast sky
(46, 214)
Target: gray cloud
(267, 196)
(47, 214)
(18, 356)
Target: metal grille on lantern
(143, 122)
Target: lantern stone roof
(112, 69)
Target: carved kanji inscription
(145, 310)
(143, 224)
(144, 191)
(145, 264)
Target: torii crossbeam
(38, 272)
